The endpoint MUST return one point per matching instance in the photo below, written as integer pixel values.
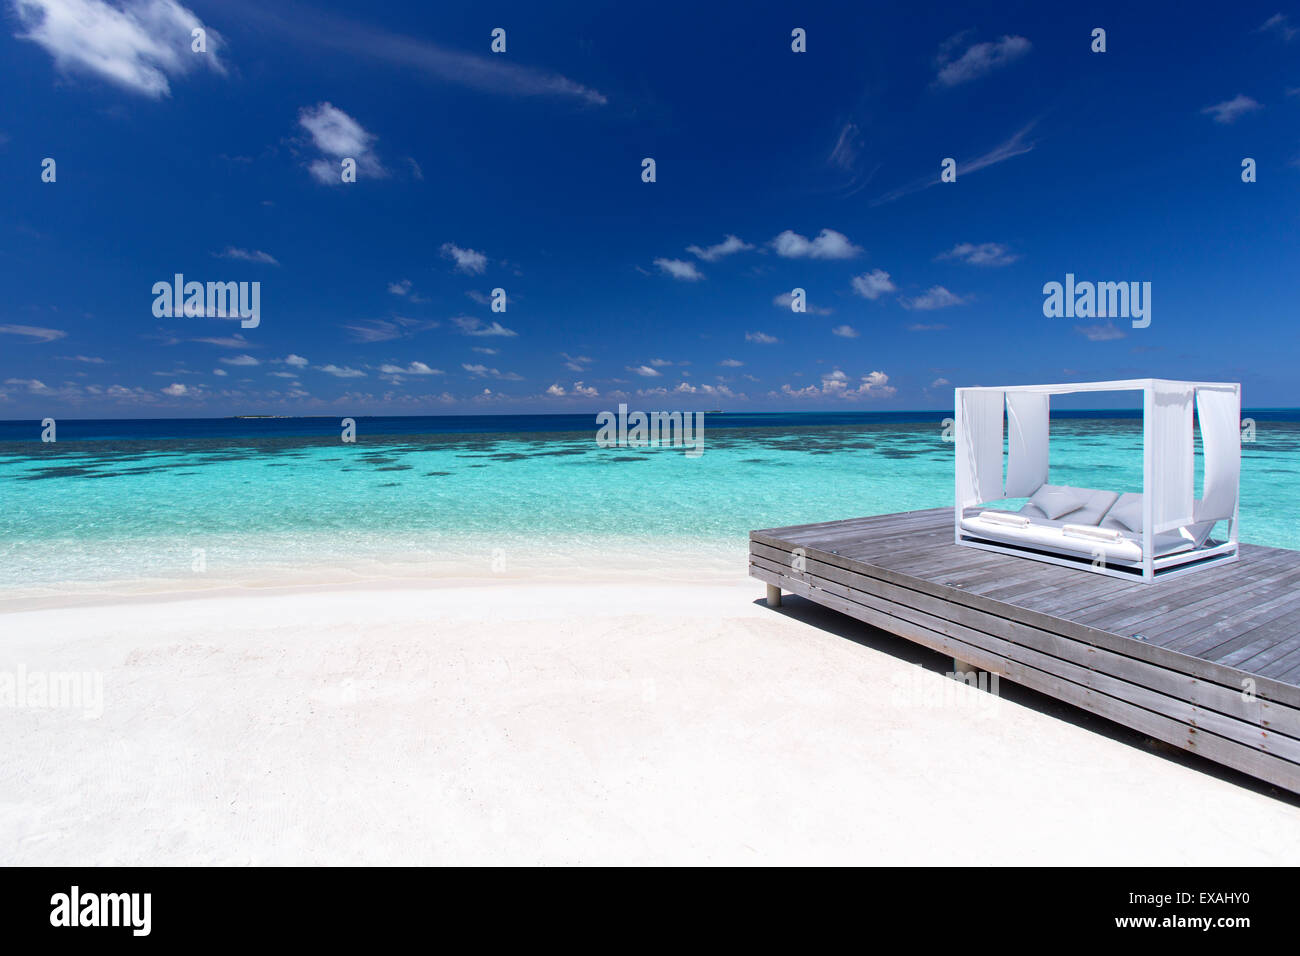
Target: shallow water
(127, 508)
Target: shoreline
(486, 564)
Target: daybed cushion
(1125, 513)
(1093, 505)
(1053, 537)
(1094, 508)
(1093, 533)
(1055, 501)
(1009, 518)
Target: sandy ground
(538, 722)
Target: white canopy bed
(1162, 530)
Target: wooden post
(960, 667)
(773, 596)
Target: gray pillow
(1128, 512)
(1057, 500)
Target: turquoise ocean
(255, 499)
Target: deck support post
(961, 668)
(773, 596)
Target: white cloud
(731, 363)
(35, 333)
(467, 260)
(1280, 25)
(984, 254)
(342, 372)
(406, 54)
(484, 371)
(136, 44)
(382, 330)
(235, 341)
(829, 244)
(1229, 111)
(338, 136)
(979, 59)
(247, 255)
(175, 389)
(1015, 146)
(876, 383)
(936, 297)
(414, 368)
(644, 370)
(219, 372)
(297, 361)
(845, 152)
(940, 383)
(679, 269)
(761, 338)
(33, 384)
(783, 301)
(579, 388)
(1100, 333)
(577, 363)
(872, 285)
(838, 385)
(731, 244)
(845, 331)
(400, 287)
(686, 388)
(334, 132)
(472, 326)
(242, 360)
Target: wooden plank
(1179, 607)
(1145, 600)
(1231, 630)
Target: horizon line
(901, 411)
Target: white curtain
(1219, 411)
(979, 448)
(1027, 434)
(1169, 440)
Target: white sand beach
(665, 718)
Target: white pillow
(1128, 512)
(1096, 534)
(1057, 500)
(1005, 517)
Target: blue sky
(522, 170)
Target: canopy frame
(1168, 465)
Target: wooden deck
(1209, 662)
